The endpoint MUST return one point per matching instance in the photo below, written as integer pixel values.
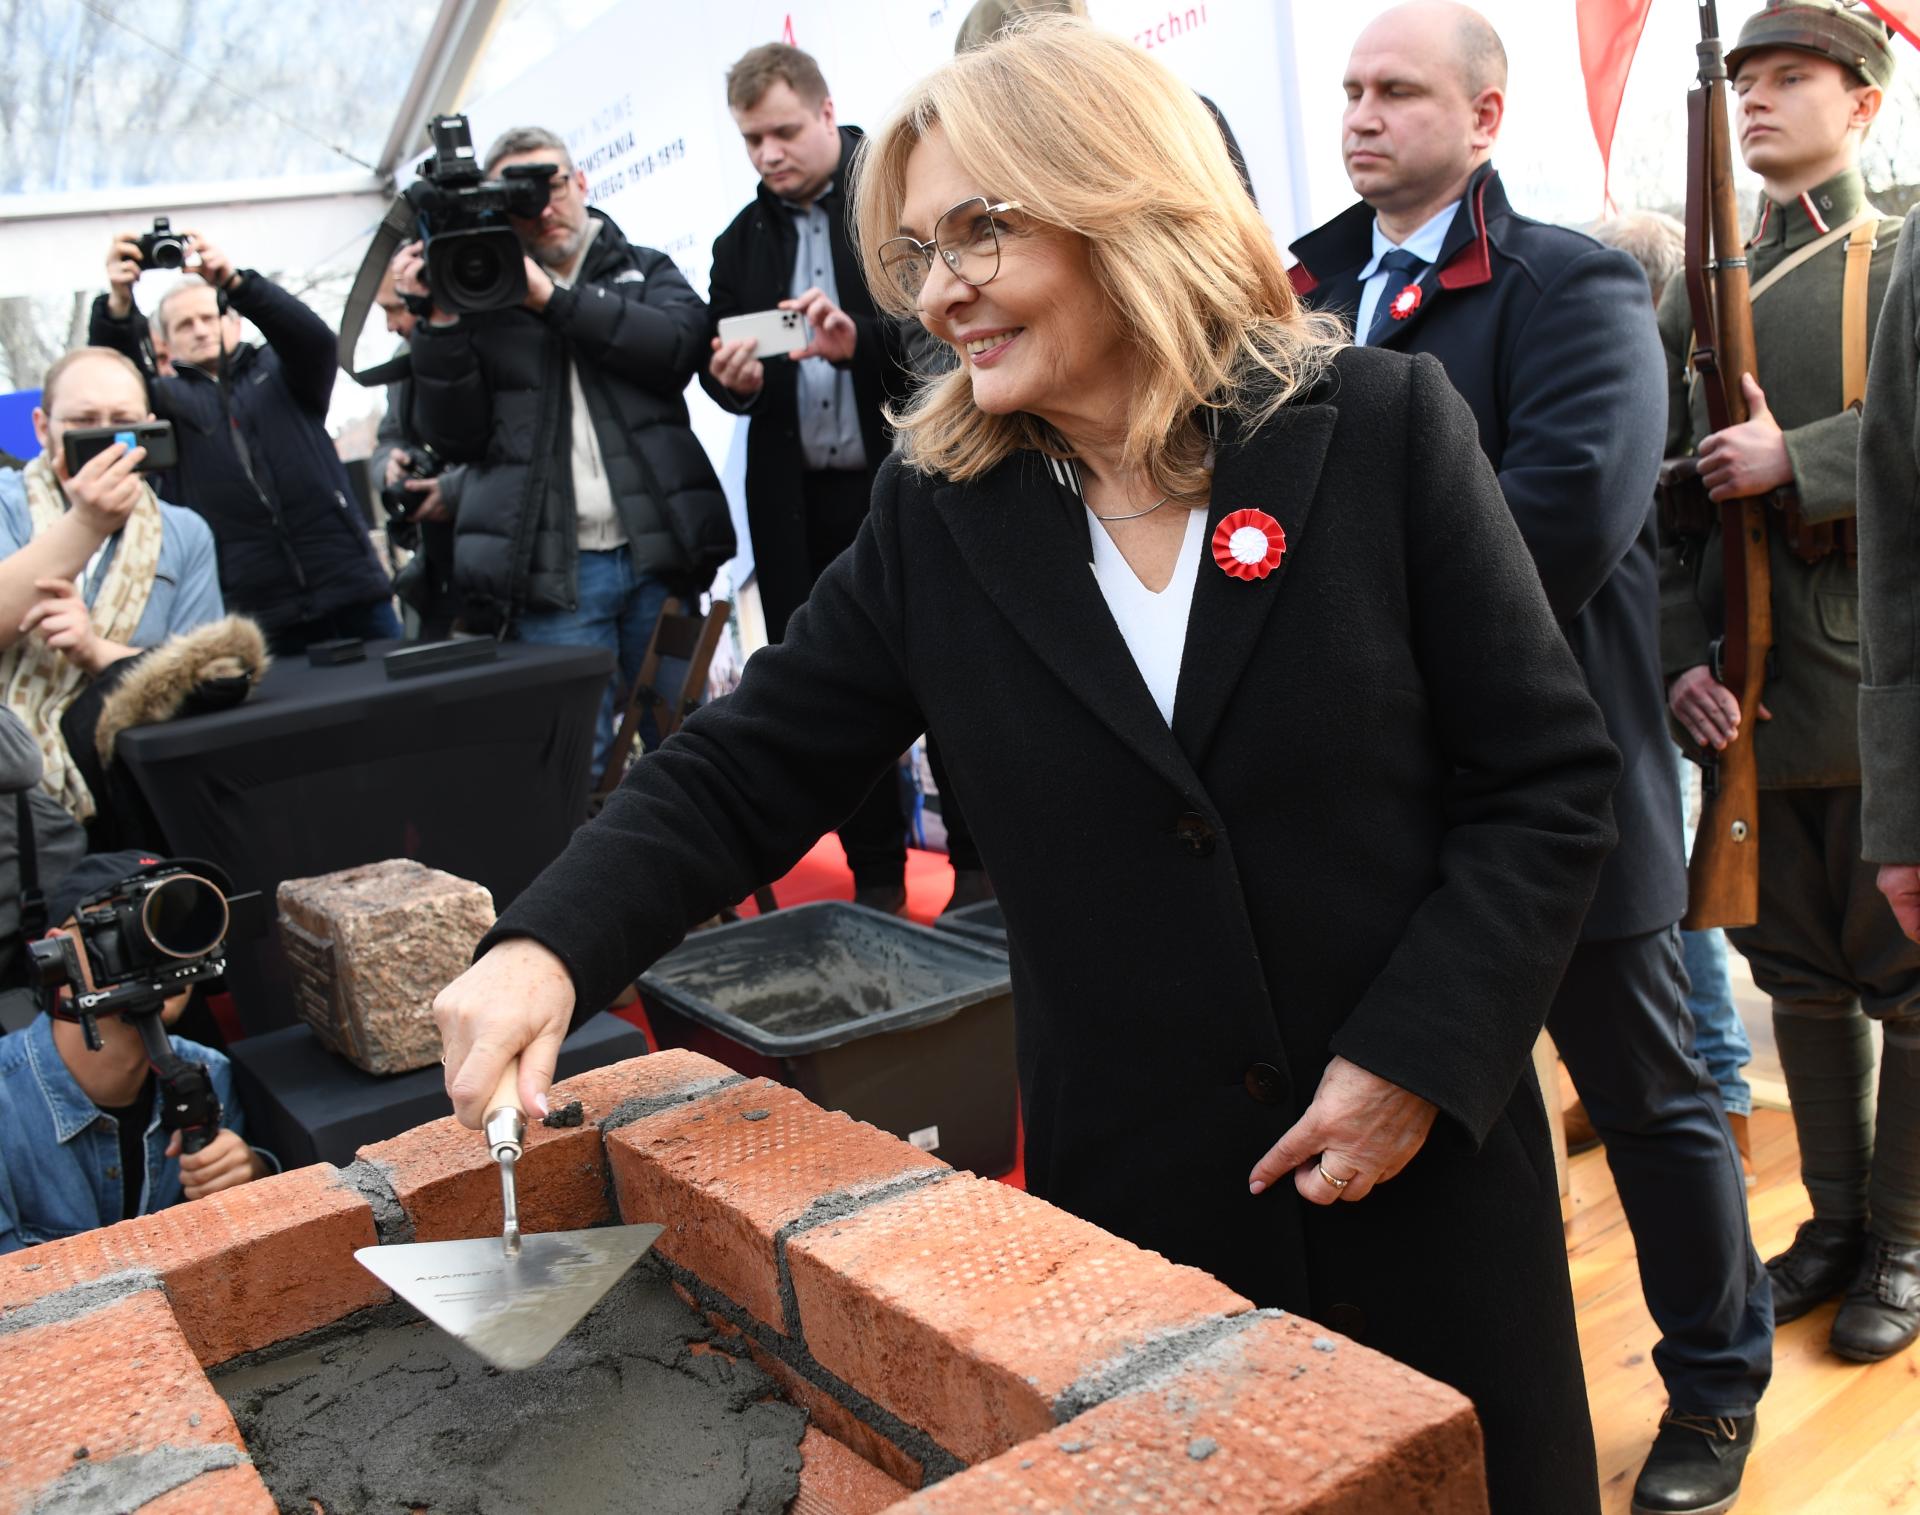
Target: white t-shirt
(1154, 625)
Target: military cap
(1853, 38)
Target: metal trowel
(511, 1300)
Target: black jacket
(1551, 339)
(492, 391)
(753, 271)
(292, 544)
(1372, 830)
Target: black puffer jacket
(493, 391)
(292, 545)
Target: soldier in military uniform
(1809, 77)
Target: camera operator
(81, 1139)
(255, 457)
(93, 566)
(589, 499)
(419, 492)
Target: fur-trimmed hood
(230, 653)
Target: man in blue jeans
(587, 499)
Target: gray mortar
(935, 1461)
(628, 1111)
(1147, 1362)
(127, 1482)
(81, 1299)
(838, 1206)
(373, 1182)
(383, 1411)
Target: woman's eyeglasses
(966, 238)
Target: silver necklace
(1135, 515)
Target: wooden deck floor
(1835, 1438)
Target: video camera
(147, 938)
(163, 247)
(399, 502)
(474, 259)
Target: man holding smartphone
(93, 566)
(817, 435)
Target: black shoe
(1695, 1465)
(888, 899)
(970, 887)
(1821, 1263)
(1881, 1315)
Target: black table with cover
(481, 771)
(306, 1105)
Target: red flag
(1904, 15)
(1609, 36)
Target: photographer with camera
(418, 491)
(93, 565)
(255, 457)
(93, 1134)
(554, 366)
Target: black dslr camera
(399, 502)
(474, 260)
(147, 938)
(163, 247)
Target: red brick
(119, 1380)
(1295, 1431)
(724, 1185)
(834, 1418)
(447, 1181)
(967, 1307)
(244, 1268)
(834, 1481)
(225, 1491)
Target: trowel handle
(505, 1124)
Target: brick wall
(961, 1346)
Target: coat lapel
(1276, 469)
(1029, 556)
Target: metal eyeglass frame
(928, 250)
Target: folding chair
(671, 685)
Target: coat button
(1264, 1083)
(1193, 833)
(1348, 1320)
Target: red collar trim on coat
(1473, 264)
(1304, 283)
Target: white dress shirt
(1424, 244)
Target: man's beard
(558, 257)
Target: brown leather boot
(1744, 1141)
(1581, 1137)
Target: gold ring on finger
(1338, 1183)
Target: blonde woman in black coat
(1292, 792)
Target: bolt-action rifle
(1723, 875)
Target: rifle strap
(1869, 218)
(1853, 311)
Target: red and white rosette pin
(1249, 544)
(1405, 303)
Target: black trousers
(1621, 1022)
(875, 835)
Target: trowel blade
(512, 1310)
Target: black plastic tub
(908, 1029)
(981, 922)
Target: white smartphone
(776, 332)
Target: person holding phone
(94, 566)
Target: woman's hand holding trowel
(516, 1001)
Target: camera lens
(169, 254)
(480, 268)
(184, 916)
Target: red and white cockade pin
(1249, 544)
(1405, 303)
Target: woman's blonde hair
(1092, 136)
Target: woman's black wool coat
(1371, 831)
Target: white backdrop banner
(640, 97)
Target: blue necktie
(1403, 268)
